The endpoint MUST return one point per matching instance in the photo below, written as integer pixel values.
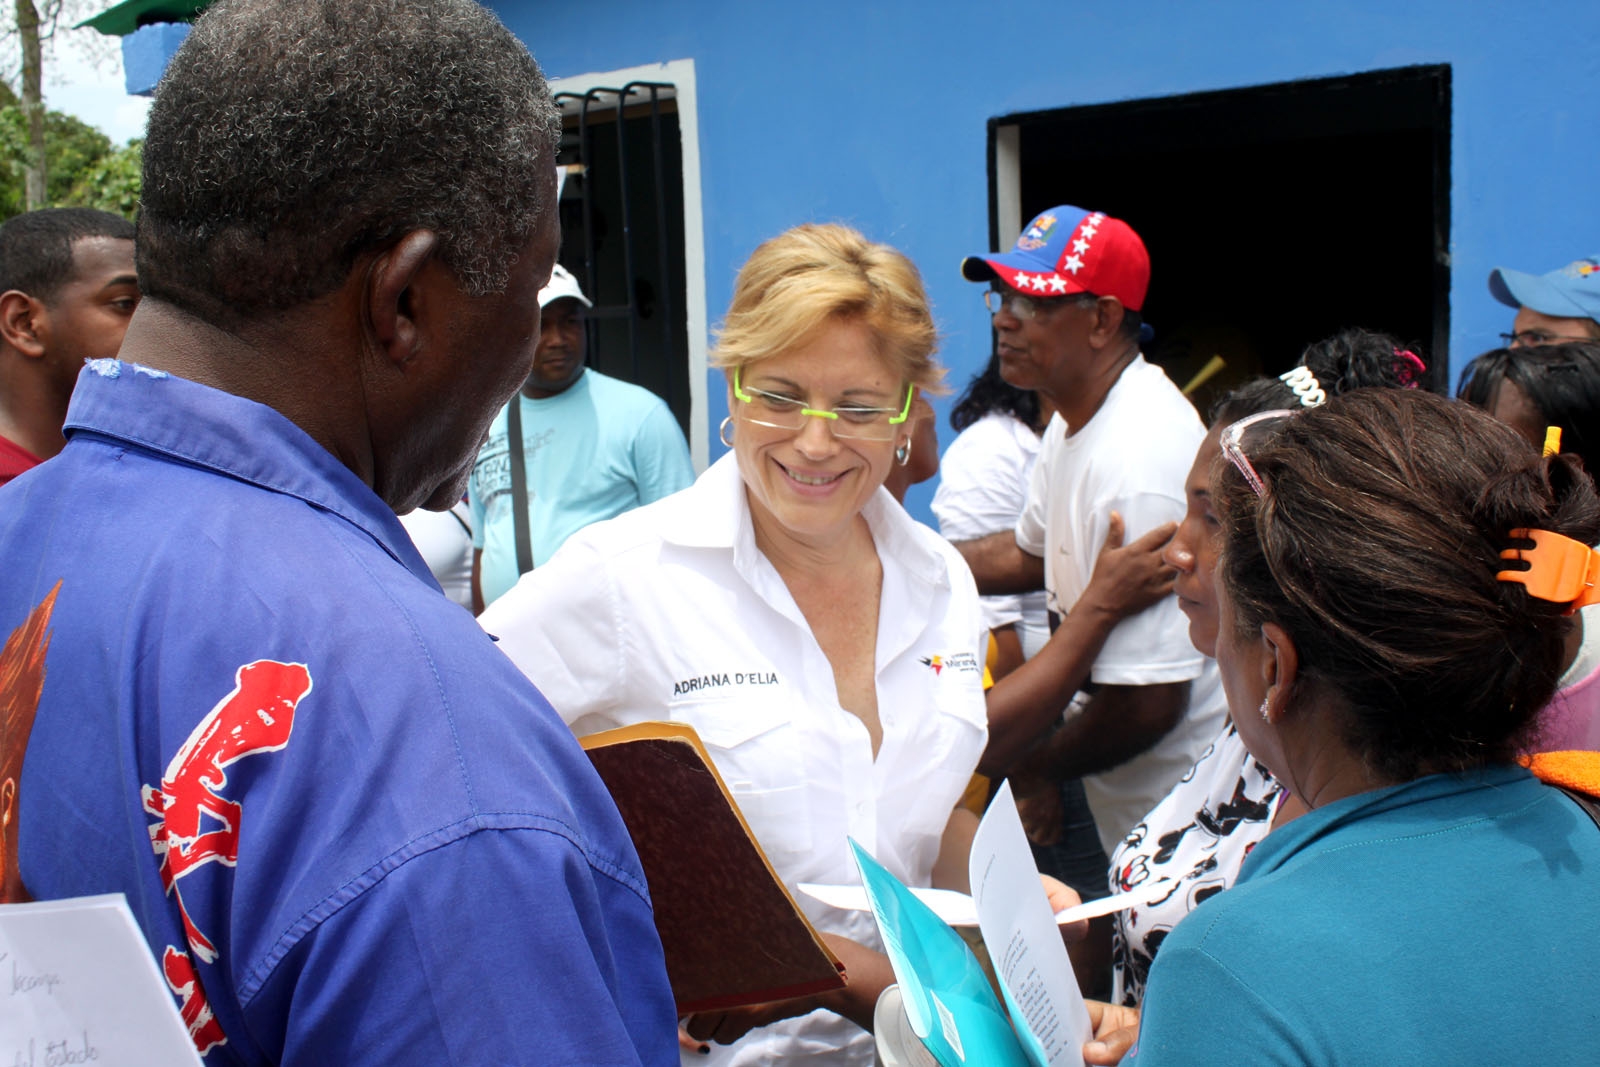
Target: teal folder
(947, 997)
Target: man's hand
(1023, 705)
(1116, 1028)
(1126, 580)
(1039, 806)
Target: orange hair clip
(1560, 569)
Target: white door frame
(1007, 184)
(679, 72)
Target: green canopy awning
(129, 15)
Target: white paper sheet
(78, 985)
(1023, 939)
(958, 909)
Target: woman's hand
(690, 1044)
(1116, 1028)
(726, 1027)
(1061, 897)
(1126, 580)
(867, 974)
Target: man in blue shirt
(349, 829)
(592, 447)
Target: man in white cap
(573, 448)
(1553, 308)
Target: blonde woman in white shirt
(824, 645)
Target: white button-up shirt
(671, 612)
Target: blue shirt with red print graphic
(350, 829)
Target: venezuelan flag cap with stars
(1068, 250)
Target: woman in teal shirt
(1437, 904)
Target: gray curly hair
(289, 137)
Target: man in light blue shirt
(592, 448)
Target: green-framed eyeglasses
(782, 412)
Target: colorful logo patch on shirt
(204, 1030)
(194, 824)
(952, 663)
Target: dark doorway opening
(1274, 215)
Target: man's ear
(1280, 668)
(399, 294)
(23, 323)
(1108, 313)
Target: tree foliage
(84, 169)
(35, 24)
(110, 183)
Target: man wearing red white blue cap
(1066, 302)
(1068, 250)
(1563, 305)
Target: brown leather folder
(731, 932)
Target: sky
(89, 87)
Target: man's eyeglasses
(1529, 338)
(1025, 307)
(781, 412)
(1233, 443)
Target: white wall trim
(1008, 184)
(680, 72)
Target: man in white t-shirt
(1066, 304)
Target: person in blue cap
(1563, 305)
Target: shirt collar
(1280, 847)
(241, 439)
(703, 519)
(579, 387)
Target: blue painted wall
(147, 51)
(875, 114)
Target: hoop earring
(902, 455)
(722, 431)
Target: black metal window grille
(622, 232)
